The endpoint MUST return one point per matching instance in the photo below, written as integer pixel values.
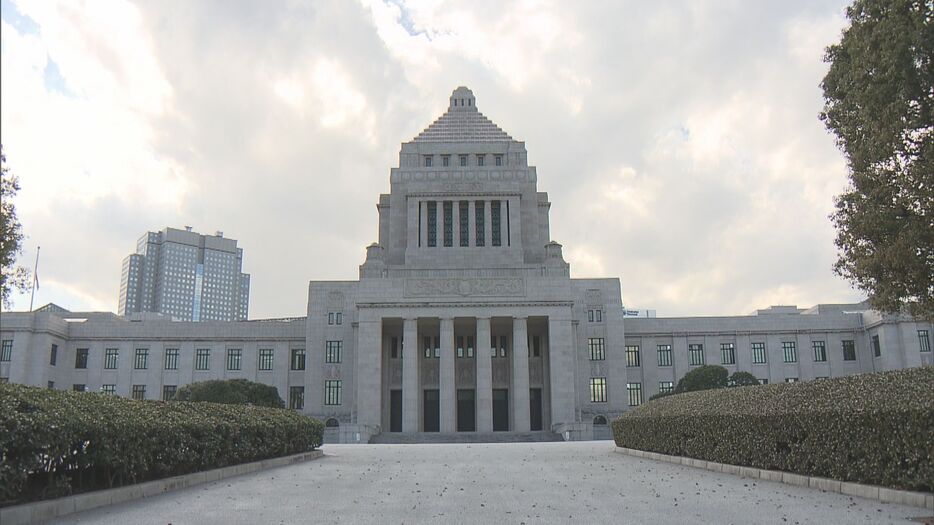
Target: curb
(45, 510)
(904, 497)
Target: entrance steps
(464, 437)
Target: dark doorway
(500, 409)
(466, 411)
(432, 411)
(535, 408)
(395, 411)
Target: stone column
(410, 380)
(423, 223)
(446, 376)
(520, 374)
(484, 376)
(368, 373)
(561, 350)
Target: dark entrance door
(466, 411)
(500, 409)
(535, 408)
(432, 410)
(395, 411)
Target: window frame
(6, 350)
(695, 350)
(141, 359)
(598, 390)
(234, 357)
(664, 350)
(758, 351)
(111, 358)
(597, 346)
(634, 393)
(81, 358)
(848, 347)
(297, 359)
(202, 359)
(265, 360)
(170, 359)
(790, 351)
(820, 351)
(333, 392)
(333, 350)
(633, 356)
(727, 353)
(924, 341)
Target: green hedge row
(54, 443)
(869, 428)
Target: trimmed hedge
(54, 443)
(232, 392)
(869, 428)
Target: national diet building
(464, 323)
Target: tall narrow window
(298, 359)
(203, 359)
(462, 159)
(479, 210)
(536, 346)
(81, 358)
(790, 351)
(168, 392)
(332, 392)
(664, 355)
(876, 347)
(596, 348)
(432, 224)
(463, 217)
(110, 358)
(503, 345)
(53, 355)
(727, 354)
(820, 351)
(499, 160)
(924, 342)
(171, 359)
(696, 354)
(508, 234)
(265, 359)
(296, 397)
(419, 224)
(598, 390)
(332, 351)
(849, 350)
(758, 353)
(633, 357)
(495, 212)
(142, 359)
(448, 223)
(635, 394)
(6, 350)
(427, 345)
(234, 358)
(428, 161)
(445, 160)
(470, 346)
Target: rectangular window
(265, 359)
(332, 392)
(393, 348)
(727, 354)
(53, 355)
(330, 317)
(470, 345)
(142, 359)
(463, 218)
(495, 211)
(633, 357)
(635, 394)
(763, 381)
(536, 346)
(203, 359)
(139, 392)
(171, 358)
(432, 223)
(332, 351)
(664, 355)
(791, 379)
(820, 351)
(296, 397)
(790, 351)
(598, 390)
(459, 346)
(462, 160)
(499, 160)
(168, 392)
(339, 317)
(595, 316)
(234, 358)
(923, 341)
(51, 385)
(849, 350)
(81, 358)
(481, 159)
(428, 161)
(758, 353)
(110, 358)
(596, 348)
(109, 389)
(427, 345)
(503, 345)
(448, 209)
(876, 347)
(78, 387)
(6, 350)
(696, 354)
(445, 160)
(298, 359)
(479, 210)
(666, 387)
(599, 315)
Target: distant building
(186, 276)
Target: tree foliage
(11, 236)
(703, 378)
(879, 101)
(742, 378)
(231, 392)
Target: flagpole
(34, 278)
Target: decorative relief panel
(335, 299)
(470, 176)
(594, 296)
(500, 373)
(332, 372)
(395, 374)
(535, 373)
(465, 373)
(466, 287)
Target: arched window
(599, 420)
(332, 423)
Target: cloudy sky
(679, 141)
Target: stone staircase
(464, 437)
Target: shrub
(231, 392)
(868, 428)
(742, 379)
(54, 443)
(703, 378)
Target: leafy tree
(703, 378)
(742, 379)
(11, 236)
(231, 392)
(879, 101)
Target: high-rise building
(185, 275)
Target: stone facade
(464, 319)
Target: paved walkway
(583, 482)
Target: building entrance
(431, 409)
(501, 409)
(535, 408)
(466, 411)
(395, 410)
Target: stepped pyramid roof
(463, 122)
